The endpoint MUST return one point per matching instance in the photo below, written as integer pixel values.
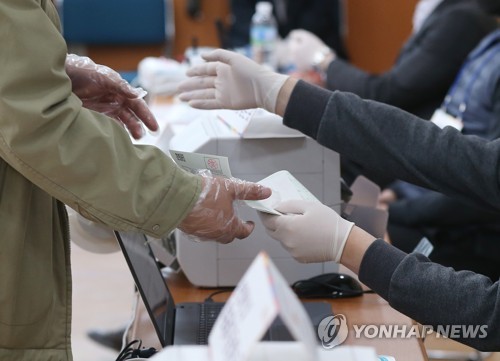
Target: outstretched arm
(427, 292)
(379, 137)
(389, 141)
(84, 158)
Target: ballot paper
(285, 187)
(283, 184)
(256, 124)
(194, 162)
(238, 120)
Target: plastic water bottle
(264, 35)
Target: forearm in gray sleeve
(434, 295)
(392, 142)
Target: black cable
(129, 352)
(210, 297)
(143, 353)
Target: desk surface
(367, 309)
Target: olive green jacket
(53, 151)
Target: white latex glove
(306, 50)
(310, 231)
(231, 81)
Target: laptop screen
(150, 283)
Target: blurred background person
(464, 236)
(321, 17)
(427, 63)
(445, 32)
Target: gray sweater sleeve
(434, 209)
(390, 140)
(435, 295)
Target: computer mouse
(328, 285)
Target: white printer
(264, 147)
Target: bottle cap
(264, 7)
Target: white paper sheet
(285, 187)
(256, 124)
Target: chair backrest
(118, 33)
(114, 21)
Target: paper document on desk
(256, 124)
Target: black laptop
(186, 323)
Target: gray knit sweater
(390, 141)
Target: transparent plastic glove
(231, 81)
(214, 216)
(310, 231)
(103, 90)
(306, 50)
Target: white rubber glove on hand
(306, 50)
(231, 81)
(310, 231)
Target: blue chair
(109, 24)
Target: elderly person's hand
(103, 90)
(214, 216)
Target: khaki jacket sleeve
(80, 157)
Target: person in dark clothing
(321, 17)
(472, 103)
(464, 237)
(427, 63)
(422, 74)
(387, 140)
